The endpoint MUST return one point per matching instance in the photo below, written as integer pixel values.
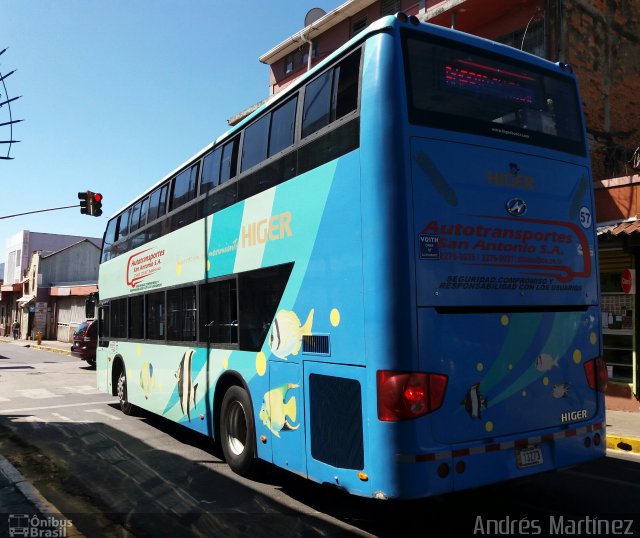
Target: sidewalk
(17, 496)
(53, 346)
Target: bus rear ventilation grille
(317, 344)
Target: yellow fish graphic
(146, 379)
(286, 333)
(274, 410)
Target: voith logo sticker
(143, 264)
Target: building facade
(55, 290)
(601, 40)
(19, 276)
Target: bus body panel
(529, 375)
(500, 228)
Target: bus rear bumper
(457, 469)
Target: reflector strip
(495, 447)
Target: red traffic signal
(96, 204)
(90, 203)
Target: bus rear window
(456, 87)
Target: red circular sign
(627, 281)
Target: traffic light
(96, 204)
(85, 201)
(90, 203)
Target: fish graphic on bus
(474, 402)
(185, 384)
(560, 390)
(286, 333)
(546, 362)
(275, 412)
(146, 379)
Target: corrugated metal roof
(626, 227)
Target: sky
(116, 94)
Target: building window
(529, 39)
(300, 58)
(389, 7)
(358, 25)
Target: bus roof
(387, 22)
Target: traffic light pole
(39, 211)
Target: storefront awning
(25, 300)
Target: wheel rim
(122, 388)
(236, 428)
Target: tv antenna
(6, 117)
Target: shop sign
(629, 281)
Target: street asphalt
(20, 498)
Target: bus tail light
(406, 395)
(596, 372)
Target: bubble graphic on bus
(146, 379)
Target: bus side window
(229, 160)
(103, 320)
(135, 217)
(184, 187)
(109, 239)
(136, 316)
(211, 170)
(218, 312)
(332, 95)
(123, 225)
(345, 91)
(282, 126)
(155, 315)
(118, 318)
(317, 104)
(254, 146)
(260, 294)
(144, 208)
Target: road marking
(28, 419)
(7, 411)
(38, 394)
(4, 399)
(67, 419)
(82, 389)
(102, 412)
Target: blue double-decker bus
(384, 279)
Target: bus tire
(237, 431)
(125, 405)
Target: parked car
(85, 341)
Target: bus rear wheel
(237, 431)
(125, 406)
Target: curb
(33, 496)
(51, 349)
(623, 443)
(31, 493)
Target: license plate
(528, 457)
